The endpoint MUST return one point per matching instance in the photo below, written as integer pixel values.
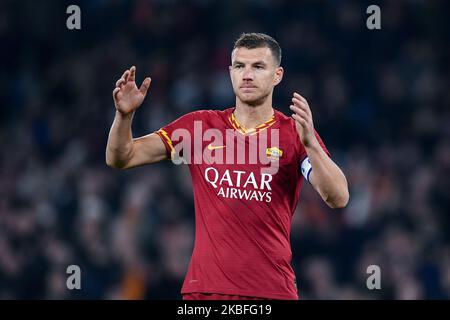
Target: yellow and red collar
(240, 128)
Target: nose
(247, 75)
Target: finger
(302, 105)
(114, 93)
(299, 97)
(304, 120)
(118, 83)
(299, 120)
(300, 102)
(126, 75)
(299, 111)
(132, 73)
(145, 85)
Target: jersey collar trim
(241, 129)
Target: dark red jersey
(246, 188)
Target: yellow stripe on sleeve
(167, 139)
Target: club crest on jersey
(274, 153)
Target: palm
(127, 96)
(303, 119)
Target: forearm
(119, 148)
(329, 180)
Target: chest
(261, 161)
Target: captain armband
(306, 168)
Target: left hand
(303, 120)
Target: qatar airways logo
(212, 146)
(237, 184)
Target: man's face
(254, 73)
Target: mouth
(248, 88)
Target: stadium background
(380, 100)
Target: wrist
(124, 116)
(313, 145)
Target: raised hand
(127, 96)
(303, 120)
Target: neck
(251, 116)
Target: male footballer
(247, 164)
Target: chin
(253, 100)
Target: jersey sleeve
(166, 133)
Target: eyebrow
(254, 63)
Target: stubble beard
(255, 102)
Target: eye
(259, 67)
(238, 66)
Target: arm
(326, 177)
(122, 151)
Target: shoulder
(285, 122)
(211, 117)
(207, 117)
(210, 113)
(288, 134)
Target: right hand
(127, 97)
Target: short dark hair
(259, 40)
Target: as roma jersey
(246, 188)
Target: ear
(279, 72)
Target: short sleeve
(167, 133)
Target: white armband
(306, 168)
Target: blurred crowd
(380, 101)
